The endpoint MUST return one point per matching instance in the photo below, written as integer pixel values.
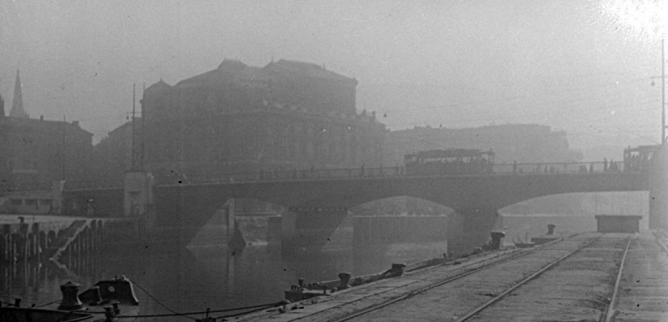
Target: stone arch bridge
(318, 205)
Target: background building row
(237, 118)
(36, 152)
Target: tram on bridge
(449, 162)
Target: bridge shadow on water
(215, 276)
(185, 279)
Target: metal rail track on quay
(641, 287)
(629, 302)
(588, 277)
(533, 276)
(444, 282)
(357, 303)
(360, 314)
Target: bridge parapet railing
(91, 184)
(378, 172)
(280, 175)
(361, 173)
(559, 167)
(569, 167)
(31, 186)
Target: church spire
(17, 110)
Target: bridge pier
(138, 200)
(470, 228)
(658, 190)
(57, 190)
(309, 229)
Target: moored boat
(25, 314)
(107, 300)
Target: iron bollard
(70, 300)
(550, 229)
(108, 314)
(344, 279)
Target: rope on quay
(245, 312)
(252, 308)
(186, 314)
(174, 313)
(49, 303)
(33, 305)
(246, 309)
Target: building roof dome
(231, 65)
(158, 87)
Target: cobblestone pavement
(578, 288)
(643, 289)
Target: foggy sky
(581, 66)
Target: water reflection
(182, 279)
(196, 278)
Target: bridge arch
(571, 212)
(476, 198)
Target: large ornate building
(238, 118)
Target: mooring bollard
(108, 314)
(496, 239)
(301, 283)
(550, 229)
(117, 310)
(70, 300)
(344, 279)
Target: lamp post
(663, 93)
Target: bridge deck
(173, 179)
(578, 286)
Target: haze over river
(201, 277)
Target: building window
(23, 164)
(17, 202)
(31, 202)
(45, 202)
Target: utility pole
(63, 151)
(658, 179)
(133, 161)
(663, 93)
(142, 148)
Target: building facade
(286, 115)
(112, 156)
(37, 152)
(40, 151)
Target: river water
(211, 276)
